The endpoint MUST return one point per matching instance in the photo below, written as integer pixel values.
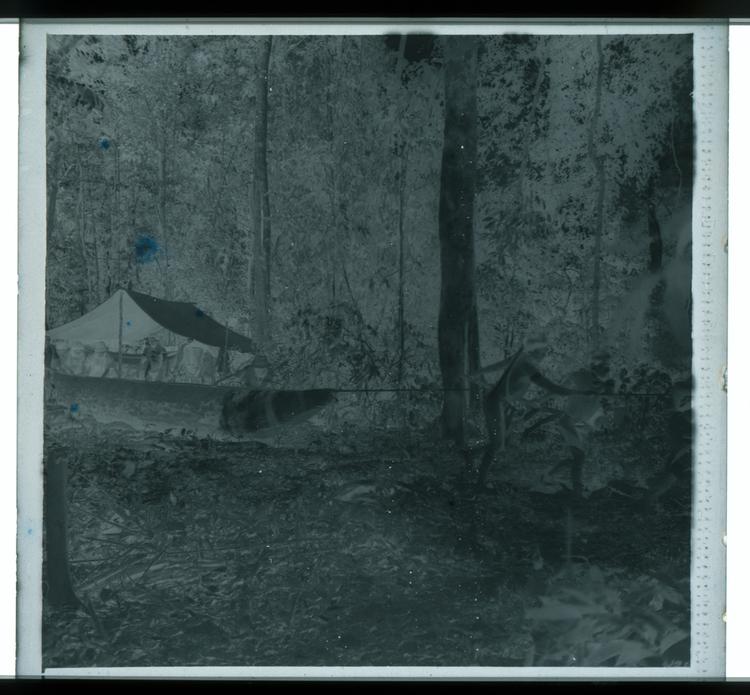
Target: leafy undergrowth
(366, 551)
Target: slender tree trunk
(655, 246)
(53, 186)
(335, 256)
(112, 255)
(260, 206)
(260, 299)
(655, 252)
(401, 201)
(95, 245)
(119, 339)
(131, 267)
(598, 163)
(59, 584)
(525, 196)
(262, 153)
(98, 260)
(163, 183)
(82, 234)
(475, 392)
(456, 212)
(676, 161)
(120, 249)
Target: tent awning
(188, 320)
(139, 316)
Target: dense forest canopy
(581, 204)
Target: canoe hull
(203, 409)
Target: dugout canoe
(203, 408)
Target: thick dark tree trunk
(456, 216)
(598, 162)
(401, 64)
(57, 570)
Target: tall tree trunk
(81, 215)
(598, 163)
(95, 244)
(335, 256)
(163, 183)
(455, 223)
(260, 298)
(401, 64)
(525, 191)
(260, 203)
(401, 205)
(263, 163)
(400, 177)
(655, 246)
(57, 569)
(53, 186)
(120, 249)
(472, 361)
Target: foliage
(152, 136)
(593, 616)
(345, 549)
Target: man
(154, 353)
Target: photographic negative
(376, 347)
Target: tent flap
(189, 321)
(136, 316)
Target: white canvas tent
(103, 325)
(123, 338)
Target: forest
(478, 250)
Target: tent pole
(119, 344)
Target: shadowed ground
(192, 551)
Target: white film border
(709, 343)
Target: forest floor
(358, 551)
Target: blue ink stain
(199, 313)
(104, 143)
(30, 531)
(146, 249)
(74, 408)
(128, 323)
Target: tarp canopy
(188, 320)
(140, 316)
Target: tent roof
(188, 320)
(144, 316)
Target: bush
(600, 617)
